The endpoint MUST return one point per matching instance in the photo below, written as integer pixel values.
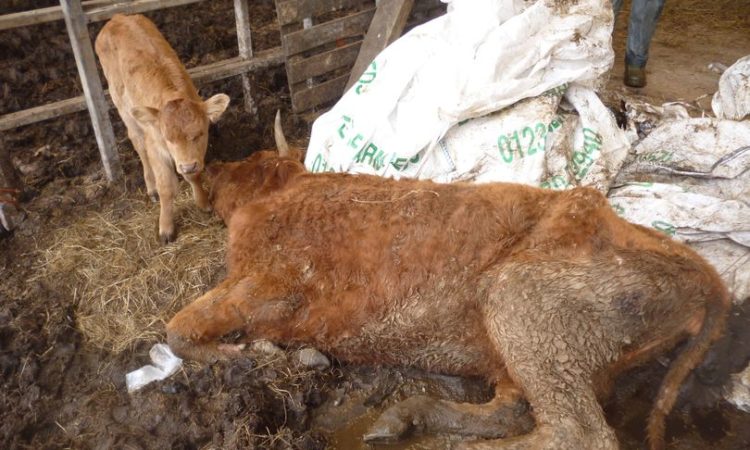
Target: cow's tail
(713, 324)
(278, 135)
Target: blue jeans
(643, 17)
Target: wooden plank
(353, 25)
(235, 66)
(386, 26)
(245, 44)
(41, 113)
(201, 75)
(317, 95)
(96, 10)
(41, 15)
(133, 7)
(75, 22)
(291, 11)
(322, 63)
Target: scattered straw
(126, 284)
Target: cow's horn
(278, 135)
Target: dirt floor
(63, 363)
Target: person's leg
(644, 14)
(616, 7)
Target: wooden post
(244, 40)
(386, 26)
(307, 23)
(75, 21)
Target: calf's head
(183, 124)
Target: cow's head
(183, 123)
(234, 183)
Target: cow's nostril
(188, 168)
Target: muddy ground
(59, 390)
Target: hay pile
(125, 284)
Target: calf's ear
(215, 106)
(145, 115)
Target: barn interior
(87, 288)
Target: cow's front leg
(199, 193)
(167, 185)
(237, 303)
(505, 415)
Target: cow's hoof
(154, 196)
(203, 204)
(389, 427)
(230, 350)
(167, 237)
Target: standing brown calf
(167, 121)
(548, 294)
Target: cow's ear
(145, 115)
(297, 155)
(284, 171)
(215, 106)
(213, 169)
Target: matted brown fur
(550, 292)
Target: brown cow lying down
(548, 294)
(167, 121)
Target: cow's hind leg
(552, 346)
(505, 415)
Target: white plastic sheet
(480, 57)
(732, 100)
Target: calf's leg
(167, 185)
(138, 139)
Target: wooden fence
(77, 16)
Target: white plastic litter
(480, 57)
(732, 100)
(165, 363)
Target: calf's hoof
(154, 196)
(165, 237)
